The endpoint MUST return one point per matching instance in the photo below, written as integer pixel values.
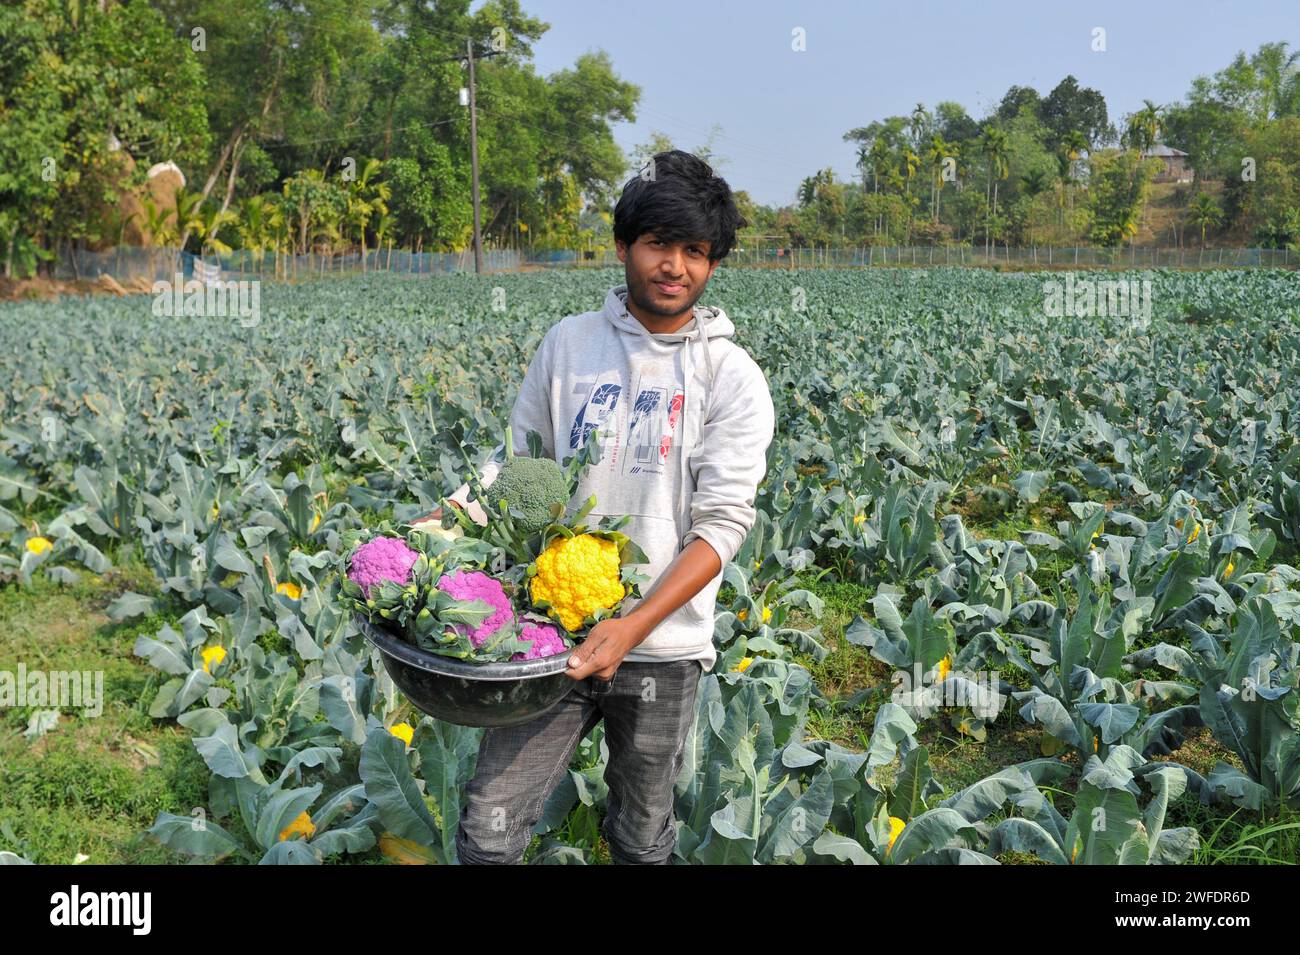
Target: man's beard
(639, 293)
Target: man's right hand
(435, 515)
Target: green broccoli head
(531, 486)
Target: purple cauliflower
(380, 559)
(476, 585)
(546, 642)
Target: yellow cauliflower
(578, 576)
(301, 826)
(896, 827)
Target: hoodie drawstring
(703, 334)
(688, 424)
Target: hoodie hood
(709, 322)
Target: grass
(93, 784)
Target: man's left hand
(604, 649)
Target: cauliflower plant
(546, 642)
(577, 576)
(476, 585)
(380, 559)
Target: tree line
(1056, 169)
(326, 125)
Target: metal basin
(471, 694)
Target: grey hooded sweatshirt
(684, 420)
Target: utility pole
(473, 158)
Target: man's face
(665, 278)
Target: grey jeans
(648, 710)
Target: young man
(684, 419)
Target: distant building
(1176, 167)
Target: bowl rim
(392, 646)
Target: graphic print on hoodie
(684, 420)
(643, 449)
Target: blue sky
(783, 113)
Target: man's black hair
(679, 198)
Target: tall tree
(1071, 108)
(1017, 99)
(938, 152)
(993, 146)
(1143, 129)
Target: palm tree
(1034, 182)
(993, 146)
(1279, 76)
(1205, 213)
(918, 123)
(281, 227)
(879, 157)
(911, 163)
(209, 222)
(807, 191)
(1063, 167)
(1072, 146)
(382, 227)
(1144, 127)
(197, 217)
(938, 152)
(366, 197)
(187, 214)
(159, 225)
(158, 222)
(260, 217)
(1075, 143)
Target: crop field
(1018, 568)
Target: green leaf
(934, 829)
(799, 823)
(224, 756)
(1030, 485)
(448, 754)
(280, 810)
(194, 835)
(386, 773)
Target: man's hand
(434, 515)
(605, 647)
(611, 640)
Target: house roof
(1160, 149)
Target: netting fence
(128, 265)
